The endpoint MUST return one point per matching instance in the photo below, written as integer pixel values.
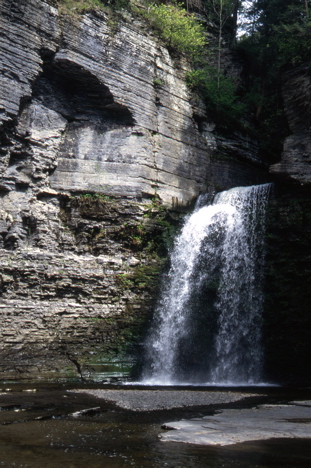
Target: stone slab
(234, 426)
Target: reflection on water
(38, 429)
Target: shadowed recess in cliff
(207, 325)
(75, 93)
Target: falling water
(207, 324)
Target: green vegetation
(277, 36)
(219, 92)
(220, 12)
(78, 6)
(150, 234)
(279, 31)
(220, 89)
(82, 6)
(157, 82)
(180, 30)
(142, 277)
(154, 236)
(184, 34)
(95, 196)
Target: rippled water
(39, 430)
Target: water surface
(38, 429)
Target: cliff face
(287, 318)
(100, 108)
(295, 164)
(97, 127)
(91, 116)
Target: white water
(207, 324)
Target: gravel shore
(151, 400)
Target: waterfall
(207, 323)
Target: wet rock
(233, 426)
(86, 412)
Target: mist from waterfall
(207, 323)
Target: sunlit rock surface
(104, 108)
(98, 109)
(234, 426)
(92, 106)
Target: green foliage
(142, 277)
(223, 15)
(124, 281)
(157, 82)
(278, 36)
(179, 29)
(82, 6)
(78, 6)
(293, 42)
(282, 30)
(95, 196)
(219, 91)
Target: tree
(277, 35)
(222, 12)
(284, 26)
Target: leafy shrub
(219, 92)
(81, 6)
(179, 29)
(293, 42)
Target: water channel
(39, 428)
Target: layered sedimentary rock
(100, 108)
(96, 122)
(296, 158)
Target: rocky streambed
(119, 426)
(225, 427)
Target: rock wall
(98, 132)
(287, 319)
(295, 164)
(90, 116)
(70, 313)
(288, 289)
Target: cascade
(207, 323)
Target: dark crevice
(76, 364)
(21, 186)
(200, 121)
(30, 224)
(24, 103)
(17, 156)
